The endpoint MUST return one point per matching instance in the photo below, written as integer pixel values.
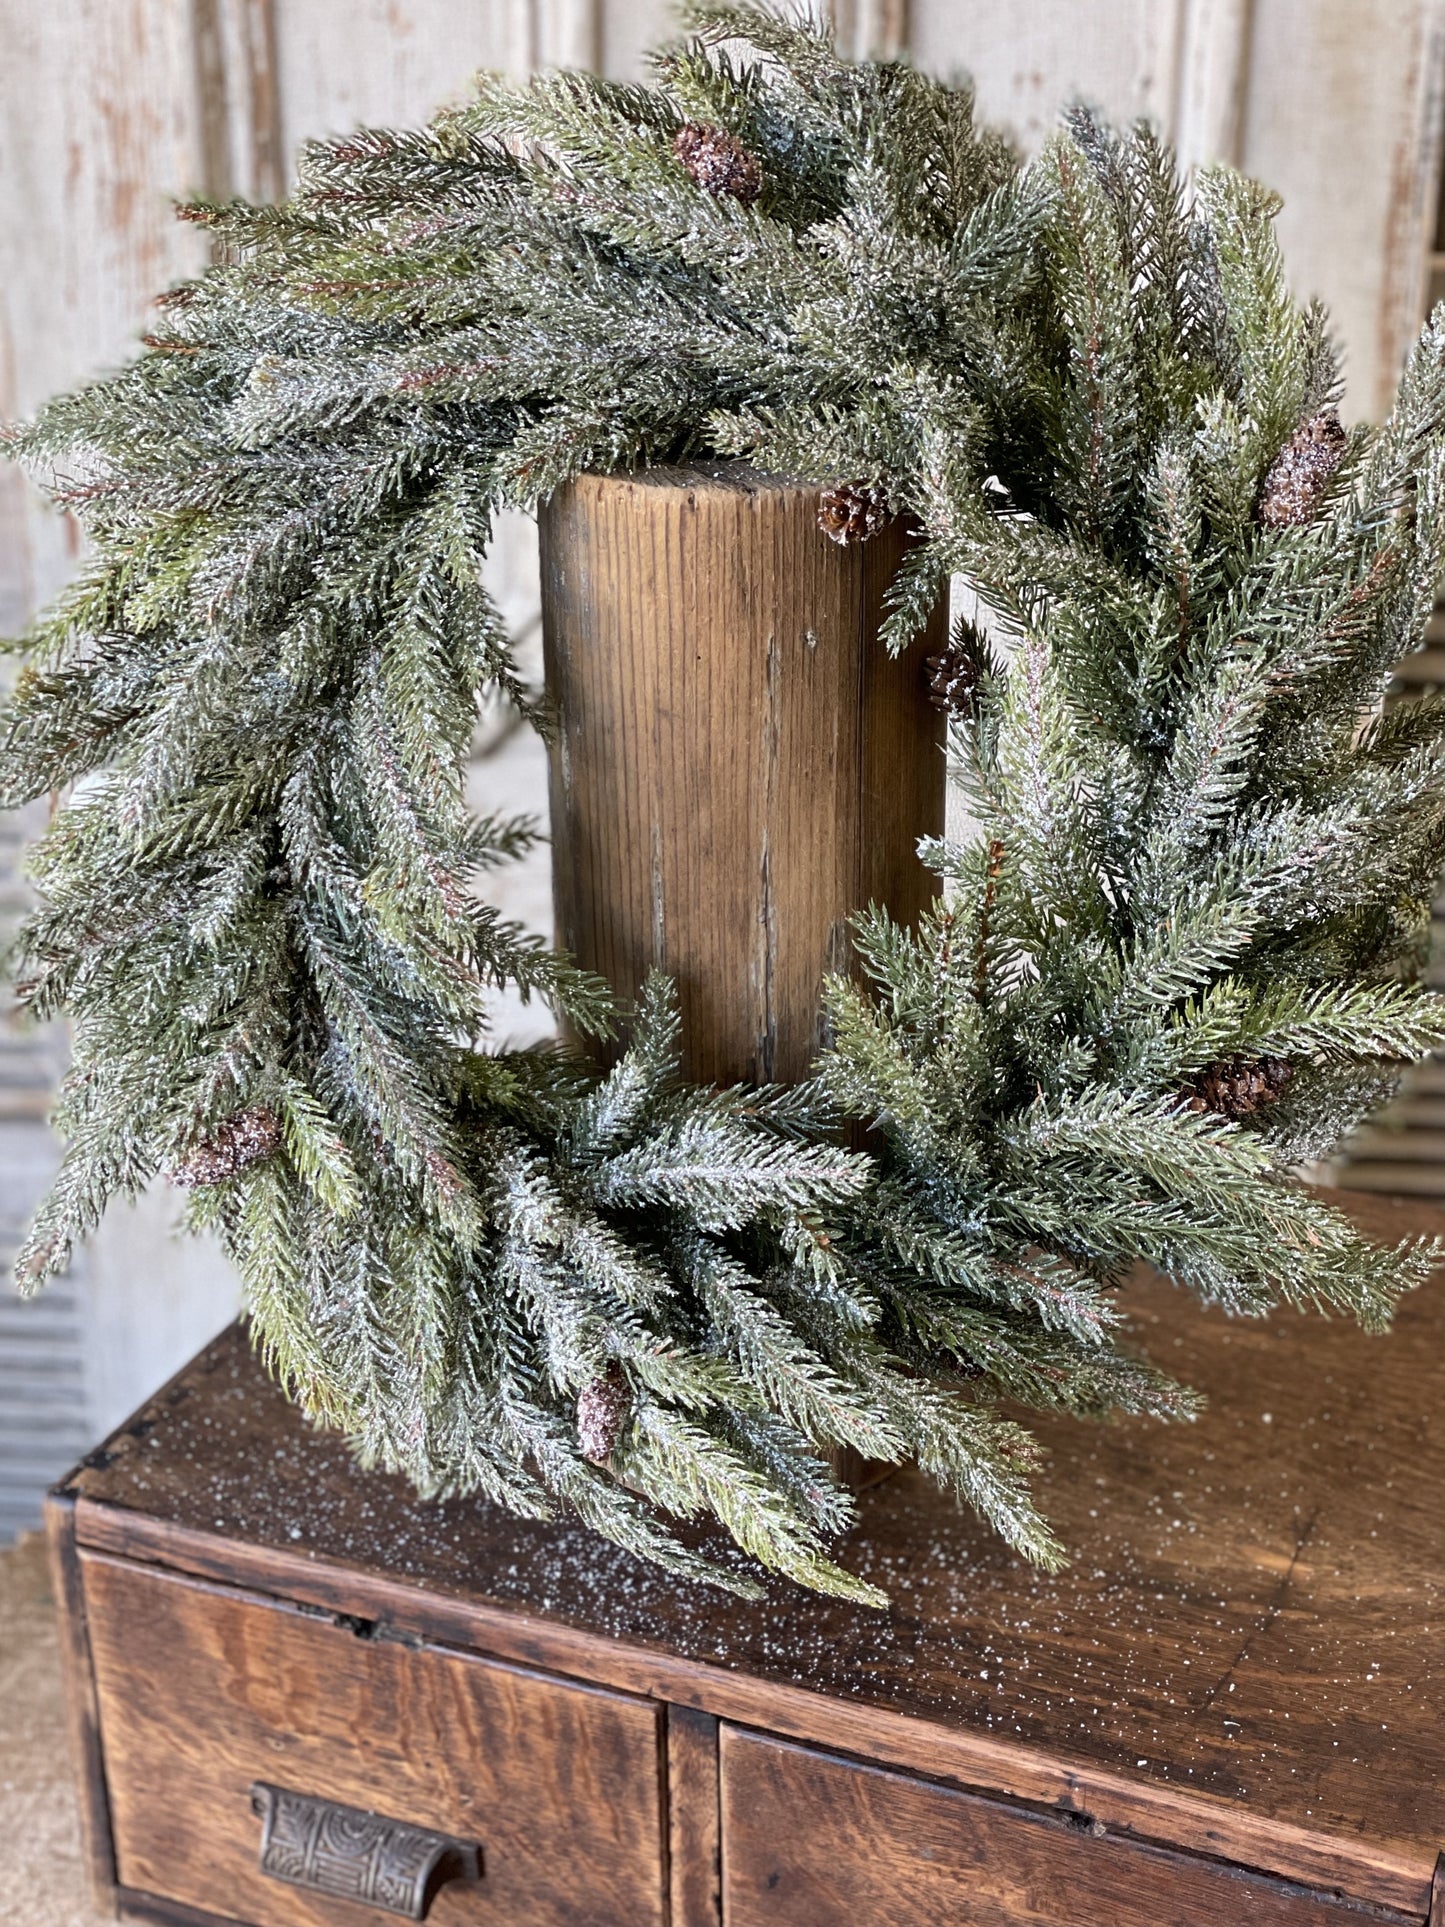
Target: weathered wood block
(739, 766)
(304, 1697)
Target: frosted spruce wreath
(1173, 960)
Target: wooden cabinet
(304, 1697)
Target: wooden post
(739, 766)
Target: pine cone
(1295, 483)
(243, 1139)
(954, 674)
(718, 161)
(852, 512)
(603, 1408)
(1237, 1087)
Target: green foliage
(260, 898)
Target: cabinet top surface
(1255, 1608)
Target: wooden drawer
(810, 1840)
(204, 1692)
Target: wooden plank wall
(110, 108)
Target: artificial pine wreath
(1173, 960)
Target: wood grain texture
(82, 1711)
(1027, 62)
(1437, 1895)
(814, 1841)
(1358, 205)
(694, 1853)
(238, 105)
(1247, 1658)
(1212, 81)
(870, 29)
(98, 120)
(739, 767)
(345, 63)
(203, 1692)
(151, 1910)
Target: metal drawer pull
(353, 1855)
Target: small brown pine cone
(954, 674)
(243, 1139)
(1237, 1087)
(1295, 483)
(852, 512)
(603, 1408)
(718, 161)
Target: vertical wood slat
(100, 101)
(553, 33)
(238, 99)
(1028, 62)
(565, 33)
(870, 29)
(344, 63)
(81, 1704)
(1414, 195)
(1212, 80)
(694, 1819)
(1343, 119)
(738, 766)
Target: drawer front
(205, 1694)
(810, 1840)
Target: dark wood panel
(81, 1709)
(694, 1866)
(149, 1910)
(738, 766)
(1246, 1658)
(815, 1841)
(203, 1693)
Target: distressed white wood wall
(110, 108)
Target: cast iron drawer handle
(353, 1855)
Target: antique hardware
(353, 1855)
